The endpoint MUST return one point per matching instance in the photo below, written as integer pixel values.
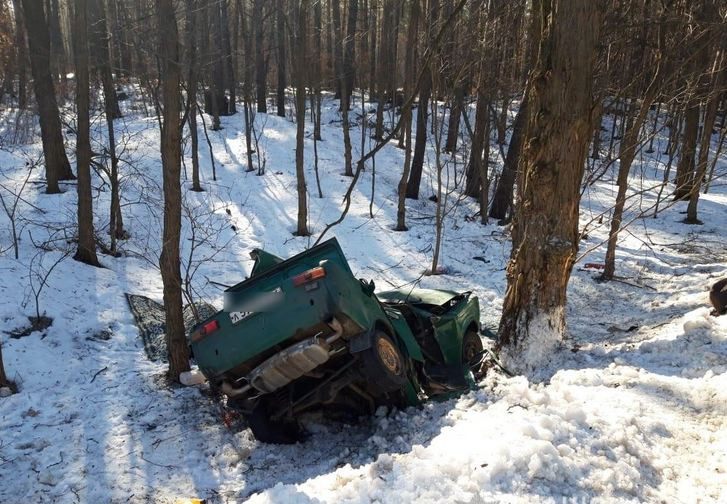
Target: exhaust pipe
(288, 364)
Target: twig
(98, 373)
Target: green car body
(305, 332)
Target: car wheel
(272, 431)
(472, 349)
(383, 365)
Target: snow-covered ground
(631, 408)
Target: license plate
(237, 316)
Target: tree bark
(545, 228)
(177, 349)
(86, 251)
(57, 166)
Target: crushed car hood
(425, 296)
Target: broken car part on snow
(305, 333)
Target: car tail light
(209, 327)
(205, 330)
(309, 276)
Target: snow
(629, 407)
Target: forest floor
(631, 408)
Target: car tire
(472, 349)
(272, 431)
(383, 365)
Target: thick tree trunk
(86, 251)
(300, 93)
(57, 166)
(261, 67)
(177, 349)
(545, 228)
(280, 37)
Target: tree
(86, 251)
(301, 10)
(545, 227)
(280, 34)
(171, 140)
(57, 166)
(261, 65)
(4, 382)
(425, 91)
(627, 153)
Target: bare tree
(545, 228)
(57, 166)
(86, 251)
(169, 261)
(301, 13)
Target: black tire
(272, 431)
(383, 365)
(472, 349)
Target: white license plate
(238, 316)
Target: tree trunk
(57, 166)
(261, 67)
(101, 54)
(3, 377)
(425, 91)
(349, 49)
(406, 115)
(300, 92)
(685, 167)
(482, 119)
(710, 115)
(545, 228)
(192, 81)
(318, 52)
(86, 251)
(177, 349)
(280, 33)
(627, 153)
(21, 55)
(502, 200)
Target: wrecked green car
(304, 333)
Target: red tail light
(206, 329)
(309, 276)
(209, 327)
